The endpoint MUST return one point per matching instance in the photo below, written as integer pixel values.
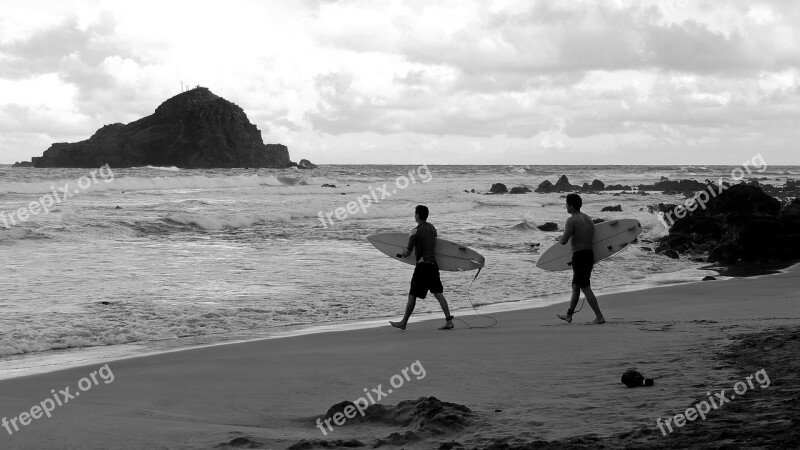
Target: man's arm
(410, 247)
(569, 230)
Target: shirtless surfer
(426, 272)
(580, 229)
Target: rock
(498, 188)
(708, 278)
(545, 187)
(329, 185)
(661, 207)
(562, 185)
(792, 209)
(740, 223)
(118, 207)
(520, 190)
(306, 164)
(611, 208)
(618, 187)
(669, 253)
(23, 164)
(194, 129)
(598, 220)
(548, 226)
(598, 185)
(666, 185)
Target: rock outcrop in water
(195, 129)
(741, 223)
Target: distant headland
(195, 129)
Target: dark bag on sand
(633, 378)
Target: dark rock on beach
(194, 129)
(520, 190)
(307, 444)
(416, 420)
(792, 209)
(741, 223)
(611, 208)
(244, 442)
(23, 164)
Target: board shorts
(425, 278)
(582, 263)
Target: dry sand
(529, 380)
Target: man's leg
(446, 310)
(573, 302)
(587, 291)
(412, 303)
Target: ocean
(120, 262)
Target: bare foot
(447, 326)
(565, 317)
(400, 325)
(598, 321)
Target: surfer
(580, 228)
(426, 272)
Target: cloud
(490, 75)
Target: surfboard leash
(469, 327)
(583, 300)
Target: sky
(421, 82)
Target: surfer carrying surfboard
(426, 272)
(580, 229)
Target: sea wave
(134, 183)
(168, 169)
(222, 221)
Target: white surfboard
(449, 255)
(609, 238)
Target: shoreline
(61, 359)
(562, 383)
(56, 360)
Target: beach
(530, 378)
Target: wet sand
(529, 381)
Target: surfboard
(449, 255)
(609, 238)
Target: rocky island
(195, 129)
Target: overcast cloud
(436, 82)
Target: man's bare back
(580, 228)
